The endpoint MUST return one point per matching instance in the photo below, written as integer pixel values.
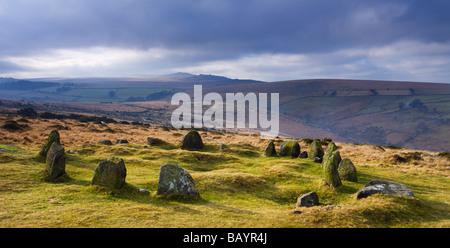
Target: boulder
(270, 150)
(384, 187)
(110, 173)
(347, 170)
(122, 141)
(175, 181)
(330, 171)
(303, 154)
(52, 137)
(316, 150)
(56, 161)
(105, 142)
(192, 140)
(290, 148)
(308, 200)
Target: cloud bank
(267, 39)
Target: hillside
(239, 187)
(404, 114)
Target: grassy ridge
(239, 187)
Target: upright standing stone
(175, 181)
(52, 137)
(332, 148)
(347, 170)
(330, 171)
(192, 140)
(270, 150)
(316, 150)
(56, 161)
(290, 148)
(110, 173)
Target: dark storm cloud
(222, 26)
(206, 31)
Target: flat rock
(384, 187)
(105, 142)
(122, 141)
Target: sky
(269, 40)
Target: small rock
(145, 191)
(223, 146)
(318, 160)
(308, 200)
(122, 141)
(155, 141)
(303, 154)
(105, 142)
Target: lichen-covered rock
(192, 140)
(290, 148)
(347, 170)
(52, 137)
(384, 187)
(110, 173)
(308, 200)
(56, 161)
(303, 154)
(270, 150)
(330, 171)
(331, 148)
(175, 181)
(316, 150)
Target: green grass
(239, 188)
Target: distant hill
(406, 114)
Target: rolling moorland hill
(404, 114)
(238, 185)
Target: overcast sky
(267, 40)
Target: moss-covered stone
(56, 161)
(175, 181)
(331, 172)
(110, 173)
(347, 170)
(270, 150)
(52, 137)
(192, 141)
(331, 148)
(290, 148)
(316, 150)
